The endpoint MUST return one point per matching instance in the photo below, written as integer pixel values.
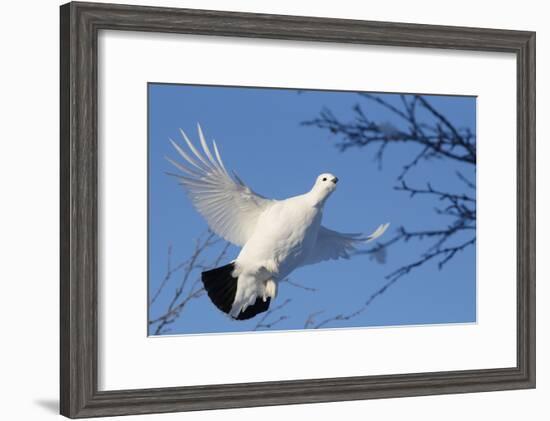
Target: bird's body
(284, 237)
(277, 236)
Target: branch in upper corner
(438, 138)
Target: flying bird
(276, 236)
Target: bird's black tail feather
(221, 287)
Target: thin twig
(264, 324)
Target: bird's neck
(316, 199)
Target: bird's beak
(335, 180)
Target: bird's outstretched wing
(229, 206)
(332, 245)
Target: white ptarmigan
(276, 236)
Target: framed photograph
(265, 210)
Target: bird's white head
(324, 185)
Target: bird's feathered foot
(270, 290)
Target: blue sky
(260, 136)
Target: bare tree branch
(186, 291)
(437, 138)
(264, 323)
(310, 321)
(183, 294)
(298, 285)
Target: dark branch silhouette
(298, 285)
(265, 322)
(189, 287)
(418, 123)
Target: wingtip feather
(219, 158)
(204, 145)
(182, 168)
(184, 154)
(378, 232)
(194, 150)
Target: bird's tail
(221, 286)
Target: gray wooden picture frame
(80, 24)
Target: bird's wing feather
(332, 245)
(229, 206)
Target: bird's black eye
(324, 179)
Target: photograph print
(277, 209)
